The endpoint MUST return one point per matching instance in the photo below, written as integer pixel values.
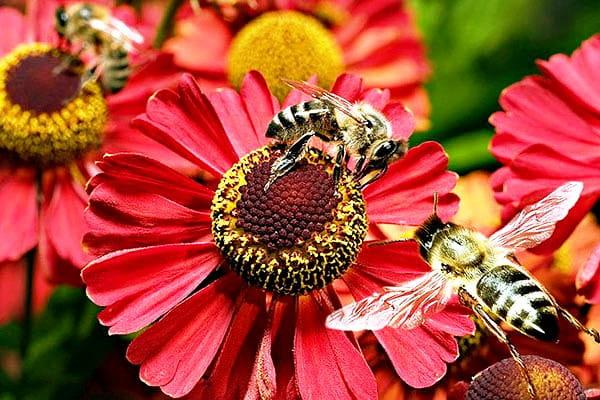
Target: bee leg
(493, 327)
(577, 324)
(378, 175)
(340, 161)
(288, 160)
(360, 164)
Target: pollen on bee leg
(45, 115)
(295, 237)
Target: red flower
(547, 135)
(377, 40)
(57, 165)
(166, 247)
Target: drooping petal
(231, 374)
(186, 122)
(347, 374)
(12, 290)
(404, 195)
(18, 214)
(140, 285)
(175, 352)
(62, 218)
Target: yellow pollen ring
(308, 265)
(55, 137)
(285, 44)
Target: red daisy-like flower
(51, 130)
(233, 284)
(377, 40)
(548, 133)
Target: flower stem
(28, 316)
(165, 28)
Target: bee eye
(368, 123)
(445, 268)
(385, 149)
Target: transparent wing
(405, 306)
(332, 99)
(118, 31)
(536, 222)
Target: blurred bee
(482, 271)
(357, 129)
(92, 27)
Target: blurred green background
(479, 47)
(476, 48)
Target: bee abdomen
(116, 69)
(517, 299)
(300, 117)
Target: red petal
(391, 263)
(119, 218)
(18, 214)
(588, 278)
(186, 122)
(263, 384)
(176, 351)
(146, 174)
(14, 36)
(378, 98)
(404, 195)
(245, 116)
(62, 218)
(232, 371)
(12, 293)
(341, 372)
(578, 75)
(348, 86)
(403, 121)
(140, 285)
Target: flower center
(298, 235)
(504, 380)
(285, 44)
(45, 114)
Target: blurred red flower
(377, 40)
(56, 224)
(547, 134)
(209, 332)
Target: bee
(356, 129)
(92, 27)
(485, 274)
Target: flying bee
(356, 129)
(485, 274)
(92, 27)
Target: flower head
(300, 39)
(547, 134)
(52, 128)
(234, 283)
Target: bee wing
(118, 31)
(332, 99)
(536, 222)
(404, 306)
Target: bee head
(61, 20)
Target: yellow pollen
(296, 237)
(330, 13)
(46, 116)
(285, 44)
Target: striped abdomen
(294, 121)
(517, 299)
(116, 69)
